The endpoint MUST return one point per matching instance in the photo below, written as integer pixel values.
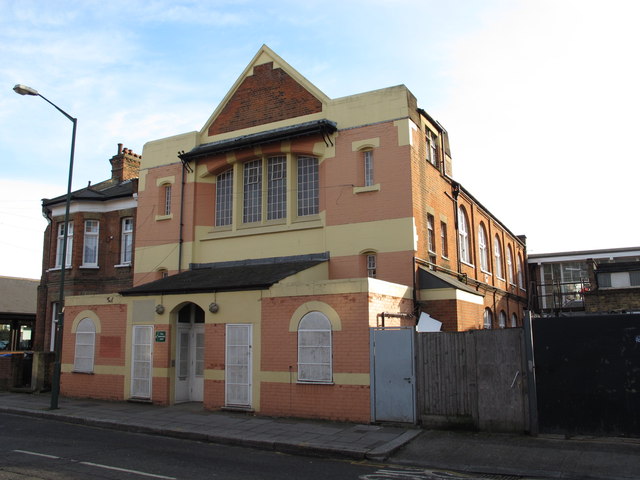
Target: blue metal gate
(393, 390)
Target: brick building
(100, 242)
(275, 238)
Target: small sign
(161, 336)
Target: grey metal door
(392, 374)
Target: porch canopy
(253, 274)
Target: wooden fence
(473, 379)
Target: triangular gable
(269, 90)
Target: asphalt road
(32, 448)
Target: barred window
(308, 186)
(85, 346)
(224, 198)
(314, 349)
(368, 168)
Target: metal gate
(393, 374)
(588, 374)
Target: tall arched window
(509, 264)
(85, 346)
(520, 273)
(314, 349)
(488, 318)
(514, 320)
(497, 257)
(463, 236)
(502, 319)
(483, 248)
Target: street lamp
(55, 382)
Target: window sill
(89, 267)
(81, 372)
(310, 382)
(368, 188)
(486, 272)
(467, 264)
(57, 269)
(164, 217)
(122, 265)
(301, 223)
(500, 278)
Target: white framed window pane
(482, 246)
(372, 265)
(314, 348)
(60, 242)
(276, 187)
(431, 234)
(252, 206)
(308, 186)
(126, 242)
(224, 199)
(368, 168)
(167, 199)
(90, 250)
(497, 253)
(509, 264)
(463, 233)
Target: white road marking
(36, 454)
(98, 465)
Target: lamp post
(55, 382)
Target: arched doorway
(190, 354)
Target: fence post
(531, 374)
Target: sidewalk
(191, 421)
(583, 458)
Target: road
(32, 448)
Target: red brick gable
(269, 95)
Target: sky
(541, 98)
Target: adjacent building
(586, 281)
(271, 241)
(100, 242)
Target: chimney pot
(119, 148)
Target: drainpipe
(180, 239)
(455, 191)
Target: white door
(142, 361)
(190, 363)
(238, 365)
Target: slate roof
(324, 127)
(95, 193)
(255, 274)
(430, 279)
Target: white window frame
(224, 199)
(520, 273)
(252, 191)
(463, 235)
(91, 241)
(308, 185)
(487, 319)
(431, 234)
(502, 319)
(483, 248)
(432, 147)
(277, 187)
(510, 265)
(84, 354)
(314, 336)
(444, 239)
(368, 167)
(126, 241)
(68, 259)
(167, 199)
(372, 265)
(497, 255)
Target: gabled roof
(96, 194)
(254, 274)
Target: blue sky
(540, 97)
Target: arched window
(488, 318)
(497, 256)
(520, 273)
(314, 349)
(514, 320)
(372, 264)
(509, 264)
(483, 248)
(463, 235)
(502, 319)
(85, 346)
(167, 199)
